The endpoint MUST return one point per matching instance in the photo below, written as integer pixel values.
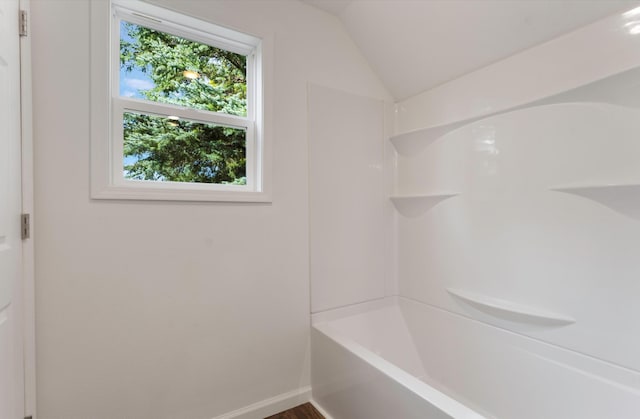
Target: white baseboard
(271, 406)
(320, 409)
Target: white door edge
(28, 267)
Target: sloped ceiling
(415, 45)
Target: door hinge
(25, 226)
(23, 23)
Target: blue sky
(131, 82)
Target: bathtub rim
(338, 313)
(447, 404)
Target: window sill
(158, 194)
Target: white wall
(165, 310)
(590, 53)
(351, 219)
(509, 238)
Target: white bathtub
(400, 359)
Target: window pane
(169, 149)
(165, 68)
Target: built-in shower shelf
(619, 90)
(413, 205)
(509, 310)
(622, 198)
(412, 142)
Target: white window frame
(108, 107)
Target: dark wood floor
(304, 411)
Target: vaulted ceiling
(415, 45)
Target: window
(184, 106)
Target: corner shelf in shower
(412, 142)
(622, 198)
(413, 205)
(511, 311)
(606, 91)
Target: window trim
(107, 107)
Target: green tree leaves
(157, 148)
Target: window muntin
(209, 92)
